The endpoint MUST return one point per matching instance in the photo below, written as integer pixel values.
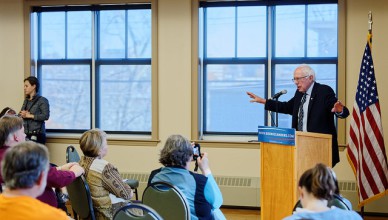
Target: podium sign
(284, 136)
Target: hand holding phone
(196, 151)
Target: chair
(133, 184)
(73, 156)
(167, 200)
(148, 213)
(80, 198)
(336, 201)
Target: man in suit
(312, 108)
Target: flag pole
(366, 148)
(370, 22)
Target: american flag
(366, 150)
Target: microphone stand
(276, 112)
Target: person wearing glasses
(35, 111)
(313, 106)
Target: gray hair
(9, 124)
(23, 164)
(176, 151)
(307, 70)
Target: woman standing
(35, 111)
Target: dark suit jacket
(320, 119)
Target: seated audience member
(25, 167)
(316, 187)
(12, 133)
(201, 190)
(7, 111)
(107, 189)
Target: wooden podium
(281, 167)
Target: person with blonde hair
(316, 188)
(109, 192)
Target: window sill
(229, 144)
(121, 140)
(240, 142)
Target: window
(255, 46)
(94, 65)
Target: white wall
(11, 54)
(174, 56)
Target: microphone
(277, 95)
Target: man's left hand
(338, 107)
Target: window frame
(197, 133)
(31, 67)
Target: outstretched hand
(255, 98)
(338, 107)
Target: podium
(282, 164)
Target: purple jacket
(55, 179)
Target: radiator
(245, 191)
(236, 191)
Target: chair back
(336, 201)
(72, 154)
(81, 199)
(125, 213)
(167, 200)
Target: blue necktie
(301, 113)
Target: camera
(33, 135)
(196, 151)
(34, 138)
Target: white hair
(306, 69)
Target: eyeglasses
(297, 79)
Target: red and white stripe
(366, 153)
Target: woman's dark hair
(318, 181)
(33, 81)
(336, 191)
(176, 151)
(7, 110)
